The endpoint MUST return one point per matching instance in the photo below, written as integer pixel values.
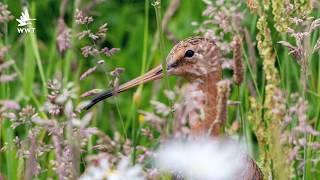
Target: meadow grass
(136, 28)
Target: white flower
(125, 172)
(203, 158)
(103, 171)
(96, 172)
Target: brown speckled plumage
(208, 60)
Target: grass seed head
(238, 67)
(64, 37)
(5, 14)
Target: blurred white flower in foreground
(203, 159)
(102, 170)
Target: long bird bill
(153, 74)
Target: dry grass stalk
(223, 87)
(32, 166)
(5, 14)
(238, 67)
(274, 134)
(88, 72)
(253, 5)
(64, 37)
(171, 10)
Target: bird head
(193, 58)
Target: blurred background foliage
(126, 20)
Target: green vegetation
(279, 93)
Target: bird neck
(209, 125)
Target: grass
(135, 27)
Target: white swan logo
(24, 21)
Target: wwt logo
(24, 22)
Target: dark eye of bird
(189, 53)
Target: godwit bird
(198, 61)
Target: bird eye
(189, 53)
